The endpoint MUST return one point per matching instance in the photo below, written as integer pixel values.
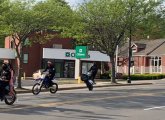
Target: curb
(20, 91)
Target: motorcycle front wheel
(89, 86)
(36, 88)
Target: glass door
(59, 69)
(69, 69)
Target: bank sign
(72, 55)
(81, 52)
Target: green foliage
(105, 23)
(24, 18)
(106, 75)
(55, 14)
(2, 41)
(145, 76)
(3, 9)
(27, 17)
(152, 18)
(101, 23)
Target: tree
(153, 26)
(147, 19)
(25, 18)
(3, 8)
(105, 23)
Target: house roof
(150, 48)
(140, 45)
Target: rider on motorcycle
(51, 73)
(93, 71)
(5, 76)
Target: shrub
(145, 76)
(105, 75)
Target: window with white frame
(25, 58)
(156, 63)
(134, 48)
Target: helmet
(4, 66)
(49, 62)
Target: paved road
(111, 103)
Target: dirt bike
(8, 97)
(37, 87)
(87, 80)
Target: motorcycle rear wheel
(54, 88)
(10, 99)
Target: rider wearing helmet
(5, 76)
(51, 73)
(93, 70)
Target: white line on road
(159, 107)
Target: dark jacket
(94, 68)
(5, 74)
(51, 71)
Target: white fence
(142, 69)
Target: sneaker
(46, 86)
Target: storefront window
(69, 69)
(59, 69)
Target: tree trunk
(113, 79)
(19, 63)
(19, 85)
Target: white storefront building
(6, 54)
(69, 54)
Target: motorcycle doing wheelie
(41, 83)
(87, 80)
(8, 97)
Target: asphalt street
(109, 103)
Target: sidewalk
(27, 89)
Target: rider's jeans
(3, 85)
(47, 81)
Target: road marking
(89, 100)
(53, 104)
(152, 108)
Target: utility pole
(117, 49)
(129, 58)
(130, 49)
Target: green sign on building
(81, 52)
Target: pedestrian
(93, 71)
